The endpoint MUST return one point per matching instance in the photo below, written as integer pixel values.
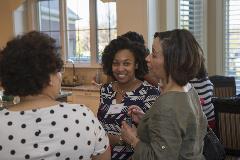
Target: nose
(120, 67)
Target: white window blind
(232, 39)
(191, 17)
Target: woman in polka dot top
(39, 127)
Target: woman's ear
(51, 80)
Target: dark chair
(223, 86)
(227, 116)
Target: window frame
(225, 45)
(63, 32)
(204, 26)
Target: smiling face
(123, 66)
(155, 60)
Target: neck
(37, 97)
(33, 102)
(127, 86)
(171, 86)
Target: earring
(136, 66)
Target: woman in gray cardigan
(175, 126)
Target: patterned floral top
(144, 96)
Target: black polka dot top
(65, 131)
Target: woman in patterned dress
(124, 61)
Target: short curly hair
(27, 62)
(182, 55)
(121, 43)
(134, 36)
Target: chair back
(227, 116)
(223, 86)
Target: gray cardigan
(173, 128)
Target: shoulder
(200, 82)
(150, 88)
(174, 101)
(106, 86)
(77, 108)
(202, 86)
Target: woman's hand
(136, 113)
(129, 134)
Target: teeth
(121, 76)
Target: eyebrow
(122, 60)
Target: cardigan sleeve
(166, 129)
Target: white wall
(7, 8)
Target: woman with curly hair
(124, 61)
(39, 127)
(136, 37)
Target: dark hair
(202, 73)
(27, 62)
(182, 55)
(119, 44)
(134, 36)
(163, 35)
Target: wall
(132, 15)
(6, 11)
(212, 38)
(215, 37)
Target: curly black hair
(119, 44)
(134, 36)
(27, 62)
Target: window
(232, 39)
(82, 27)
(191, 18)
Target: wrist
(121, 141)
(134, 142)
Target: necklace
(120, 91)
(131, 87)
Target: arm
(165, 133)
(106, 155)
(150, 97)
(114, 139)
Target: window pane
(79, 46)
(78, 30)
(191, 17)
(48, 16)
(103, 40)
(106, 25)
(232, 40)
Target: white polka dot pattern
(65, 131)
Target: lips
(120, 76)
